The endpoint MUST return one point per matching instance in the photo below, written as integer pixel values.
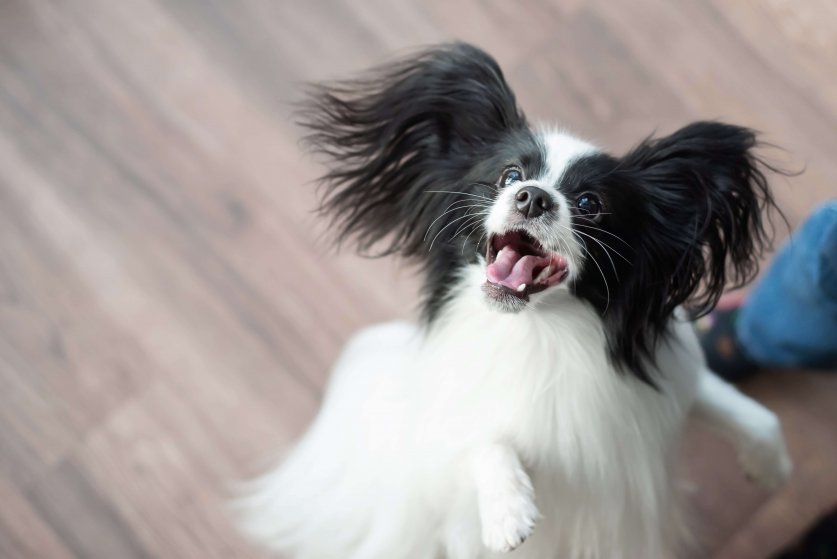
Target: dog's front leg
(753, 429)
(505, 497)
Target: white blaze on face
(561, 150)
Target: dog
(536, 408)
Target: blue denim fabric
(790, 317)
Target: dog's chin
(502, 299)
(518, 266)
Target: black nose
(533, 201)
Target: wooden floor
(169, 306)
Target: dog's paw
(765, 458)
(508, 519)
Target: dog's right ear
(413, 126)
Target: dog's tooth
(522, 287)
(544, 274)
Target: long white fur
(496, 434)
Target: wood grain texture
(169, 305)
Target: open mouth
(518, 265)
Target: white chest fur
(542, 379)
(387, 469)
(596, 442)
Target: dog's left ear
(701, 206)
(707, 198)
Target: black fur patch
(685, 215)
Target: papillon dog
(535, 410)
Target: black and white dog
(537, 407)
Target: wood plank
(84, 519)
(23, 533)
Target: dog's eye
(510, 176)
(588, 204)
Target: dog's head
(433, 159)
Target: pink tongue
(511, 270)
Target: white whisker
(602, 244)
(605, 232)
(469, 222)
(607, 288)
(445, 227)
(612, 264)
(447, 211)
(457, 193)
(478, 240)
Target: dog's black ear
(705, 224)
(708, 198)
(406, 128)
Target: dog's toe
(507, 522)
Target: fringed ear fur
(706, 226)
(406, 128)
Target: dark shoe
(724, 354)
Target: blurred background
(169, 306)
